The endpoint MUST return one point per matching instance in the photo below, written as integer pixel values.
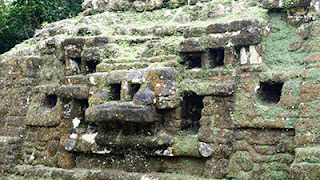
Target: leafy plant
(20, 18)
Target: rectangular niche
(192, 106)
(81, 105)
(115, 91)
(91, 66)
(133, 89)
(269, 93)
(75, 65)
(191, 60)
(50, 100)
(79, 66)
(216, 58)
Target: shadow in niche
(91, 66)
(51, 100)
(191, 60)
(192, 106)
(115, 91)
(269, 93)
(83, 104)
(133, 89)
(216, 57)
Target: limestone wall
(127, 95)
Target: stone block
(222, 27)
(215, 135)
(70, 80)
(240, 38)
(144, 97)
(309, 92)
(208, 88)
(307, 155)
(123, 112)
(307, 132)
(73, 92)
(216, 168)
(301, 171)
(41, 134)
(160, 75)
(310, 109)
(186, 146)
(276, 4)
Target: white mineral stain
(91, 79)
(76, 121)
(89, 137)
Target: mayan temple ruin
(166, 89)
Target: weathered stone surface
(307, 132)
(216, 168)
(232, 26)
(305, 171)
(307, 155)
(74, 92)
(99, 97)
(186, 146)
(134, 141)
(192, 45)
(123, 112)
(159, 75)
(144, 97)
(215, 136)
(207, 87)
(135, 115)
(71, 144)
(275, 4)
(72, 80)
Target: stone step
(136, 39)
(245, 37)
(212, 75)
(10, 140)
(132, 141)
(204, 88)
(122, 112)
(70, 80)
(103, 40)
(151, 60)
(74, 92)
(105, 67)
(198, 30)
(40, 171)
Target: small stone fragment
(205, 149)
(144, 97)
(71, 144)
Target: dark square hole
(133, 89)
(91, 66)
(115, 90)
(51, 100)
(81, 105)
(269, 93)
(192, 106)
(191, 60)
(216, 57)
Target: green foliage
(19, 19)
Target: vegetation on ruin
(20, 18)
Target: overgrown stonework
(166, 89)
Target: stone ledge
(57, 173)
(125, 112)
